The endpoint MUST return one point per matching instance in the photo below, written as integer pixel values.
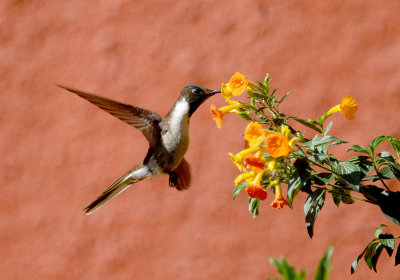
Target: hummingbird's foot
(173, 179)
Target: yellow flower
(293, 141)
(277, 145)
(254, 134)
(243, 177)
(279, 201)
(238, 158)
(226, 92)
(271, 165)
(218, 114)
(238, 83)
(347, 108)
(286, 131)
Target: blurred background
(58, 152)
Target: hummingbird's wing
(142, 119)
(137, 173)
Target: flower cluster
(268, 150)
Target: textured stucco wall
(59, 152)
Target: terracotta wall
(59, 152)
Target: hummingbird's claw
(173, 179)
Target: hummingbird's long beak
(212, 92)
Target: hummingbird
(168, 139)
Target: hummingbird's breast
(175, 135)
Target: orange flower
(347, 108)
(238, 83)
(277, 145)
(239, 157)
(218, 114)
(254, 134)
(279, 201)
(255, 190)
(256, 164)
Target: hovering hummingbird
(168, 139)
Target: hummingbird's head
(196, 95)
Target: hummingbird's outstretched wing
(137, 173)
(142, 119)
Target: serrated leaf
(387, 240)
(359, 149)
(254, 206)
(323, 178)
(350, 172)
(239, 188)
(341, 194)
(364, 164)
(324, 266)
(396, 170)
(386, 172)
(370, 252)
(387, 156)
(317, 141)
(312, 207)
(378, 140)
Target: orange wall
(58, 152)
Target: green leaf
(360, 149)
(317, 141)
(294, 186)
(386, 172)
(350, 172)
(387, 156)
(239, 188)
(387, 240)
(375, 257)
(378, 231)
(396, 170)
(341, 194)
(357, 260)
(306, 123)
(323, 178)
(312, 207)
(396, 146)
(328, 127)
(370, 253)
(324, 266)
(364, 164)
(254, 206)
(397, 257)
(288, 272)
(378, 140)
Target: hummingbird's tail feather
(184, 176)
(139, 172)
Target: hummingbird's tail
(137, 173)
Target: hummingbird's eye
(196, 90)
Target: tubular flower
(257, 164)
(255, 190)
(226, 92)
(277, 145)
(271, 165)
(238, 83)
(286, 131)
(279, 201)
(238, 158)
(218, 114)
(254, 134)
(347, 108)
(243, 177)
(293, 141)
